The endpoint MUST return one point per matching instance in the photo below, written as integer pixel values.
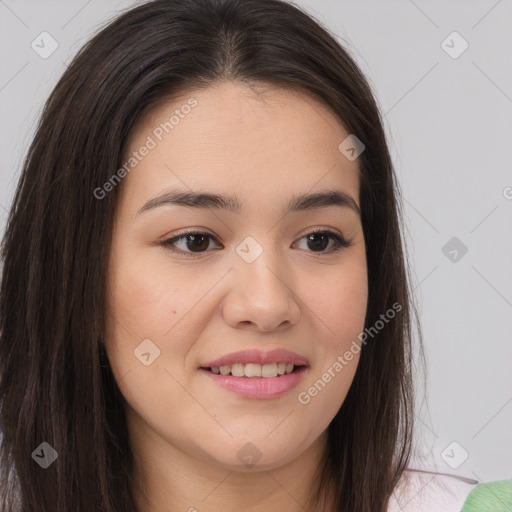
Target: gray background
(449, 122)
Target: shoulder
(430, 491)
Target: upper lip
(258, 357)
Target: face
(277, 281)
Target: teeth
(237, 370)
(254, 370)
(270, 370)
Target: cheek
(146, 342)
(143, 304)
(339, 304)
(338, 309)
(144, 294)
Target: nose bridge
(261, 292)
(261, 266)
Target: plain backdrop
(446, 99)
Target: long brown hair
(56, 384)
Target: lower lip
(258, 387)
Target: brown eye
(193, 243)
(318, 241)
(199, 242)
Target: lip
(258, 387)
(258, 357)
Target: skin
(264, 145)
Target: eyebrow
(302, 202)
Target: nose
(261, 296)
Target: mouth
(256, 374)
(255, 371)
(254, 381)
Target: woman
(205, 304)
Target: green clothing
(490, 497)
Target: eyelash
(339, 242)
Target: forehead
(255, 138)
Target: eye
(319, 240)
(194, 242)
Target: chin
(253, 456)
